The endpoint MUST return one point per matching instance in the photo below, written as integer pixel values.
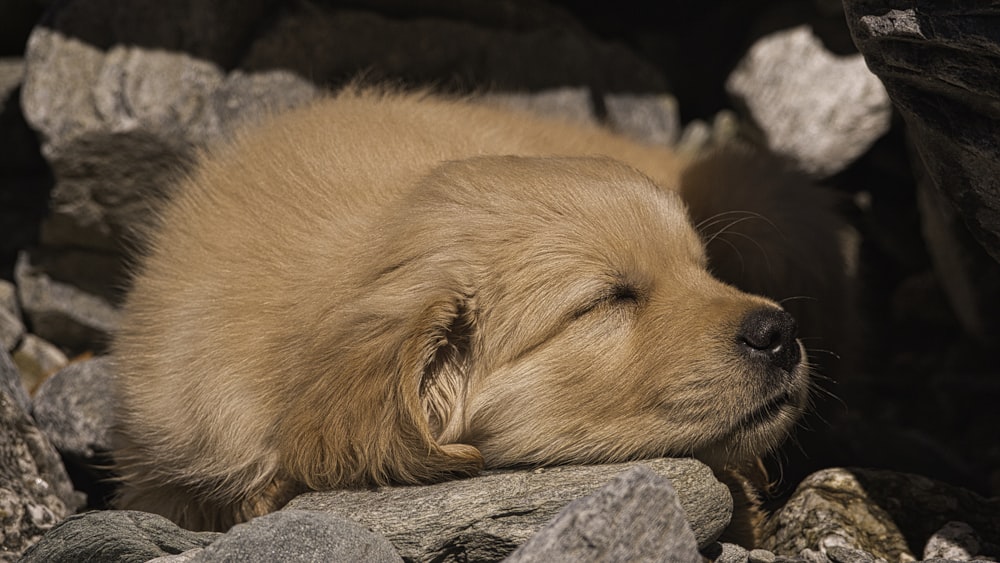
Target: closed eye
(618, 295)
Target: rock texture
(121, 536)
(883, 513)
(75, 408)
(819, 110)
(635, 517)
(938, 61)
(35, 492)
(487, 517)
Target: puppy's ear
(392, 372)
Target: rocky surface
(35, 491)
(635, 517)
(109, 99)
(489, 516)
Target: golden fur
(388, 288)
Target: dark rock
(115, 535)
(61, 313)
(820, 111)
(635, 517)
(956, 541)
(488, 517)
(75, 408)
(298, 535)
(968, 275)
(841, 554)
(35, 492)
(938, 63)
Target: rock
(726, 552)
(11, 330)
(298, 535)
(115, 535)
(8, 298)
(37, 359)
(968, 275)
(842, 554)
(11, 384)
(833, 502)
(760, 556)
(331, 46)
(876, 511)
(488, 517)
(35, 492)
(61, 313)
(819, 110)
(937, 61)
(956, 541)
(75, 408)
(635, 517)
(570, 104)
(650, 118)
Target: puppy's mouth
(764, 413)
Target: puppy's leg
(769, 231)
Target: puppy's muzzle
(766, 336)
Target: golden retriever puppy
(396, 288)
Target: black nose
(769, 334)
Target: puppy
(397, 288)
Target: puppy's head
(577, 320)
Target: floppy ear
(393, 364)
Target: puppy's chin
(759, 427)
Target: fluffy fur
(387, 288)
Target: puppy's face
(589, 328)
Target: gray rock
(11, 384)
(488, 517)
(35, 492)
(8, 298)
(760, 556)
(938, 63)
(819, 110)
(61, 313)
(115, 535)
(956, 541)
(75, 408)
(842, 554)
(635, 517)
(11, 330)
(298, 535)
(650, 118)
(730, 553)
(37, 359)
(570, 104)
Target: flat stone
(298, 536)
(488, 517)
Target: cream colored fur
(388, 288)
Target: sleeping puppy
(397, 288)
